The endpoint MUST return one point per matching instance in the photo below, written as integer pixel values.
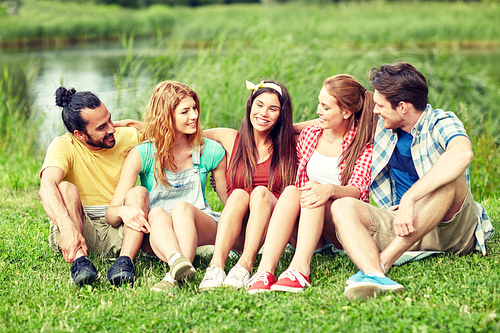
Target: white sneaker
(237, 277)
(213, 278)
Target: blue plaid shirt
(431, 134)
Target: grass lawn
(231, 44)
(446, 294)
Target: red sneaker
(261, 282)
(291, 280)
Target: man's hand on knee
(403, 222)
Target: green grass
(214, 49)
(442, 294)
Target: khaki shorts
(101, 238)
(455, 236)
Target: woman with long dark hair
(262, 162)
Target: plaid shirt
(431, 134)
(306, 145)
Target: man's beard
(102, 143)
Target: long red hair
(160, 115)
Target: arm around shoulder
(224, 136)
(137, 124)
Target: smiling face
(99, 132)
(391, 117)
(331, 116)
(186, 116)
(265, 112)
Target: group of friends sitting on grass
(304, 186)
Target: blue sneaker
(355, 278)
(370, 286)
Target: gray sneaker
(167, 283)
(182, 269)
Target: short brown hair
(400, 82)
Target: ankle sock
(173, 258)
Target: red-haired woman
(173, 164)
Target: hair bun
(63, 96)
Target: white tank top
(323, 169)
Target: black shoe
(83, 271)
(122, 271)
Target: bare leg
(230, 225)
(438, 206)
(281, 225)
(329, 231)
(132, 240)
(72, 203)
(353, 221)
(262, 203)
(192, 228)
(162, 236)
(310, 230)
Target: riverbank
(53, 24)
(466, 25)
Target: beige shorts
(455, 236)
(101, 238)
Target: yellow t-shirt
(95, 173)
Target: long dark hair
(352, 96)
(283, 155)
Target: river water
(85, 68)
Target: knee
(342, 205)
(182, 207)
(137, 195)
(238, 196)
(68, 189)
(290, 191)
(260, 194)
(158, 215)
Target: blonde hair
(160, 117)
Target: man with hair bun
(78, 178)
(420, 181)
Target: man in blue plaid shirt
(419, 180)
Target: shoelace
(294, 275)
(212, 273)
(262, 276)
(239, 273)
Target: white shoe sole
(361, 290)
(286, 289)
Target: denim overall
(184, 185)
